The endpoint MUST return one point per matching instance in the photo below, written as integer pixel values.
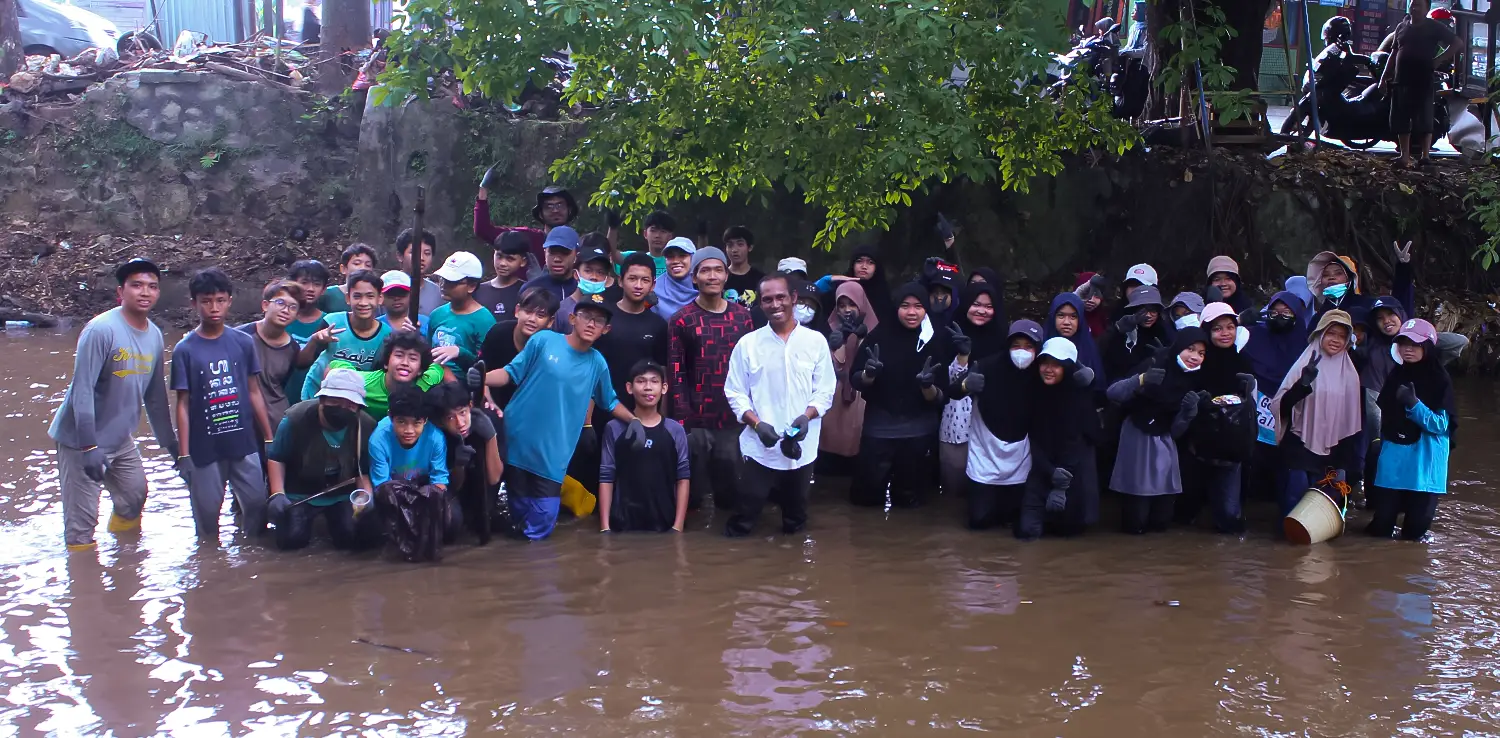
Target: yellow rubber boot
(79, 547)
(576, 498)
(118, 524)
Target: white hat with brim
(1061, 349)
(344, 384)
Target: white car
(50, 28)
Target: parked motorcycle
(1122, 77)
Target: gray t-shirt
(276, 365)
(116, 369)
(432, 297)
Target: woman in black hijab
(902, 373)
(1004, 387)
(977, 333)
(1223, 435)
(1134, 339)
(1417, 421)
(1062, 492)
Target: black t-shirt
(500, 300)
(631, 337)
(645, 496)
(745, 286)
(1418, 42)
(498, 349)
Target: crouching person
(474, 465)
(409, 468)
(1062, 491)
(321, 454)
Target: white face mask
(1396, 355)
(1021, 358)
(1185, 367)
(1187, 321)
(804, 314)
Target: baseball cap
(792, 264)
(1027, 328)
(460, 265)
(562, 237)
(513, 242)
(1142, 273)
(1061, 349)
(681, 244)
(344, 384)
(593, 254)
(596, 303)
(395, 279)
(1215, 311)
(809, 291)
(136, 266)
(1417, 330)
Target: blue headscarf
(1088, 351)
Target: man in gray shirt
(118, 367)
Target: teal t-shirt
(467, 332)
(281, 450)
(554, 383)
(300, 332)
(333, 300)
(346, 346)
(425, 462)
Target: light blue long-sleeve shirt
(1420, 466)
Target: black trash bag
(414, 518)
(1224, 433)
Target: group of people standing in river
(657, 381)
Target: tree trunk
(10, 40)
(1243, 52)
(346, 29)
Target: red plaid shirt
(700, 344)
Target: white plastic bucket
(1315, 519)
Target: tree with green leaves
(855, 105)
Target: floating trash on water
(1169, 603)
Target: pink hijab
(855, 293)
(1332, 412)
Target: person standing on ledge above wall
(117, 368)
(555, 206)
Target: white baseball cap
(681, 244)
(1061, 349)
(395, 278)
(1142, 273)
(460, 265)
(792, 264)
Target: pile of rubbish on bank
(260, 59)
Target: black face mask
(1282, 323)
(338, 418)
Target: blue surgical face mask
(589, 287)
(1335, 291)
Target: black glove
(1061, 478)
(962, 344)
(835, 340)
(1189, 408)
(463, 453)
(480, 425)
(1154, 376)
(1083, 377)
(93, 464)
(1407, 394)
(278, 508)
(944, 228)
(700, 443)
(1250, 317)
(872, 364)
(491, 177)
(636, 433)
(767, 435)
(1213, 294)
(800, 423)
(791, 449)
(972, 383)
(475, 376)
(1247, 384)
(1309, 372)
(928, 376)
(1057, 500)
(612, 218)
(859, 328)
(1097, 282)
(1126, 323)
(184, 466)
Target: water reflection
(872, 623)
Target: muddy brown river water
(879, 624)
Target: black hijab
(1220, 365)
(990, 276)
(1155, 407)
(1434, 388)
(1007, 402)
(895, 388)
(877, 290)
(990, 338)
(1063, 419)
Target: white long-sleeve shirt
(780, 380)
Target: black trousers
(1146, 514)
(716, 466)
(902, 465)
(1081, 510)
(1416, 508)
(993, 505)
(1215, 486)
(349, 533)
(788, 488)
(584, 466)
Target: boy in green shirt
(354, 336)
(405, 358)
(312, 276)
(457, 329)
(357, 258)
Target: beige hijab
(1332, 412)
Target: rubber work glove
(962, 344)
(636, 433)
(1083, 377)
(93, 464)
(767, 435)
(928, 376)
(278, 508)
(800, 424)
(1407, 394)
(1309, 372)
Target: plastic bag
(414, 518)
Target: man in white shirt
(780, 383)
